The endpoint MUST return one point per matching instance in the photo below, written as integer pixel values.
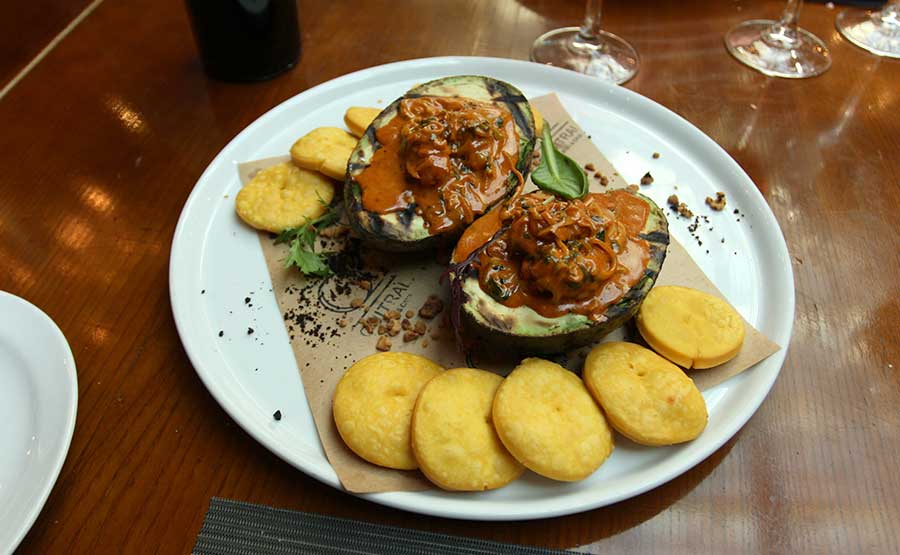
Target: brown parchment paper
(315, 309)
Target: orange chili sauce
(450, 156)
(537, 285)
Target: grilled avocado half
(404, 230)
(482, 322)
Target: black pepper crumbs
(277, 415)
(348, 269)
(249, 331)
(221, 333)
(203, 291)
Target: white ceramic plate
(38, 400)
(252, 376)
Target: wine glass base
(753, 43)
(869, 31)
(608, 57)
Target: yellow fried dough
(324, 149)
(691, 328)
(538, 120)
(358, 119)
(373, 406)
(548, 420)
(645, 397)
(453, 437)
(283, 196)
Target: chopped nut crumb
(365, 284)
(356, 302)
(394, 328)
(718, 203)
(604, 181)
(432, 307)
(410, 336)
(406, 324)
(369, 325)
(679, 207)
(424, 343)
(342, 322)
(589, 167)
(410, 313)
(655, 155)
(420, 327)
(383, 344)
(632, 188)
(647, 179)
(392, 315)
(382, 329)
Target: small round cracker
(358, 119)
(283, 196)
(689, 327)
(646, 398)
(373, 406)
(324, 149)
(548, 420)
(453, 437)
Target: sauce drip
(451, 156)
(559, 257)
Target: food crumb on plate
(718, 203)
(384, 344)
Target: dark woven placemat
(233, 527)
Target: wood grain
(27, 27)
(104, 140)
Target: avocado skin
(404, 231)
(490, 330)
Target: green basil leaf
(557, 173)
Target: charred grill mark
(370, 136)
(376, 224)
(407, 215)
(657, 237)
(500, 93)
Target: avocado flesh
(483, 322)
(404, 230)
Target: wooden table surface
(105, 137)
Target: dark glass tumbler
(245, 40)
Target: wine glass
(779, 48)
(877, 32)
(588, 49)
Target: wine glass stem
(791, 14)
(590, 29)
(783, 34)
(891, 12)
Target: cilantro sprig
(301, 241)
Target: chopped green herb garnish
(302, 239)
